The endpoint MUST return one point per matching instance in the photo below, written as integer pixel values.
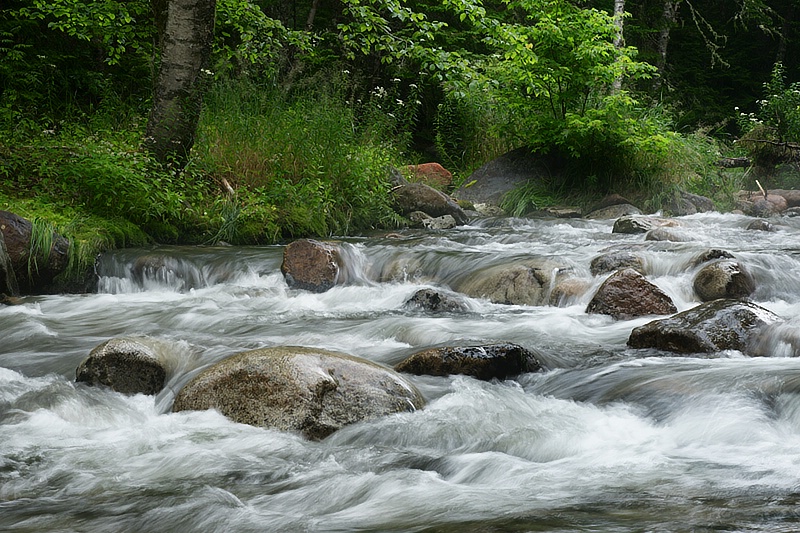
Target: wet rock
(311, 265)
(613, 212)
(760, 225)
(685, 203)
(724, 278)
(792, 212)
(668, 235)
(709, 327)
(432, 174)
(423, 220)
(130, 365)
(613, 261)
(524, 282)
(628, 294)
(489, 210)
(711, 255)
(756, 205)
(792, 196)
(568, 291)
(631, 224)
(436, 301)
(34, 272)
(494, 361)
(410, 197)
(311, 391)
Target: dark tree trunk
(185, 50)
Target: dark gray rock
(311, 391)
(711, 255)
(483, 362)
(436, 301)
(628, 294)
(312, 265)
(632, 224)
(131, 365)
(760, 225)
(709, 327)
(612, 212)
(613, 261)
(8, 280)
(724, 278)
(410, 197)
(491, 182)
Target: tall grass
(307, 164)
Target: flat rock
(483, 362)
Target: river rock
(640, 224)
(308, 390)
(423, 220)
(311, 265)
(34, 274)
(711, 255)
(709, 327)
(668, 235)
(567, 291)
(628, 294)
(686, 203)
(493, 361)
(409, 197)
(760, 225)
(792, 196)
(525, 282)
(131, 365)
(724, 278)
(436, 301)
(613, 261)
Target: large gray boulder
(312, 265)
(724, 278)
(616, 260)
(707, 328)
(308, 390)
(483, 362)
(129, 365)
(491, 182)
(628, 294)
(523, 282)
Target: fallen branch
(734, 162)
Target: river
(606, 438)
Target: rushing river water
(607, 438)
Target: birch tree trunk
(185, 51)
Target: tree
(185, 45)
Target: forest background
(305, 105)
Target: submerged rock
(312, 391)
(709, 327)
(628, 294)
(525, 282)
(311, 265)
(668, 235)
(724, 278)
(130, 365)
(483, 362)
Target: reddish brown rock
(311, 265)
(627, 294)
(432, 174)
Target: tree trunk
(669, 19)
(185, 50)
(619, 37)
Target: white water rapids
(607, 438)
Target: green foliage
(302, 166)
(527, 198)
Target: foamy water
(605, 439)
